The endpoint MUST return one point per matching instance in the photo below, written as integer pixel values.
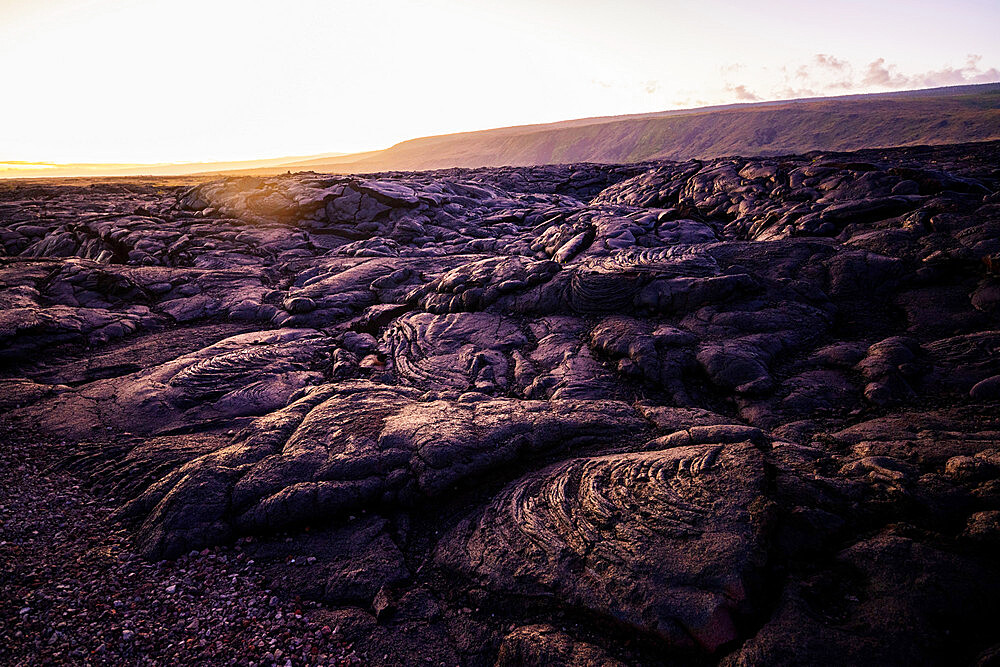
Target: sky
(153, 81)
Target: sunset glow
(524, 332)
(145, 81)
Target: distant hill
(935, 116)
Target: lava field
(743, 411)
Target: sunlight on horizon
(144, 82)
(24, 166)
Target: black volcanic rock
(739, 410)
(661, 541)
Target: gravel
(73, 592)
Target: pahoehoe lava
(741, 411)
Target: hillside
(937, 116)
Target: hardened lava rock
(743, 411)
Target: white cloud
(742, 93)
(826, 74)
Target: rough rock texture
(742, 411)
(662, 541)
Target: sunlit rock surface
(742, 411)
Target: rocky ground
(72, 591)
(739, 412)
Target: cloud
(835, 72)
(826, 74)
(831, 62)
(950, 76)
(885, 76)
(881, 74)
(742, 93)
(652, 87)
(789, 92)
